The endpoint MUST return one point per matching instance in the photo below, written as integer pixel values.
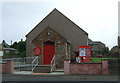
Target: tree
(106, 52)
(21, 47)
(15, 45)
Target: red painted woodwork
(49, 51)
(37, 51)
(85, 47)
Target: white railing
(36, 63)
(21, 62)
(53, 63)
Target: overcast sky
(99, 18)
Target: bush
(95, 60)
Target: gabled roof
(55, 10)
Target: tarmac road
(29, 77)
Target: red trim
(85, 47)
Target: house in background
(55, 35)
(115, 50)
(6, 48)
(97, 46)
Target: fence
(21, 64)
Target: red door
(49, 51)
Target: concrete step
(58, 70)
(23, 72)
(42, 69)
(29, 68)
(57, 73)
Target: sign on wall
(37, 51)
(85, 51)
(78, 59)
(82, 51)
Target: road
(29, 77)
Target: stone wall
(60, 45)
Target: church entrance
(49, 51)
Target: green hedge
(99, 60)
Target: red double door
(49, 51)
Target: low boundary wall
(7, 67)
(86, 68)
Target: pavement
(31, 73)
(55, 76)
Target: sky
(99, 18)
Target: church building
(56, 35)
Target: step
(57, 73)
(58, 70)
(23, 72)
(29, 68)
(42, 69)
(25, 67)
